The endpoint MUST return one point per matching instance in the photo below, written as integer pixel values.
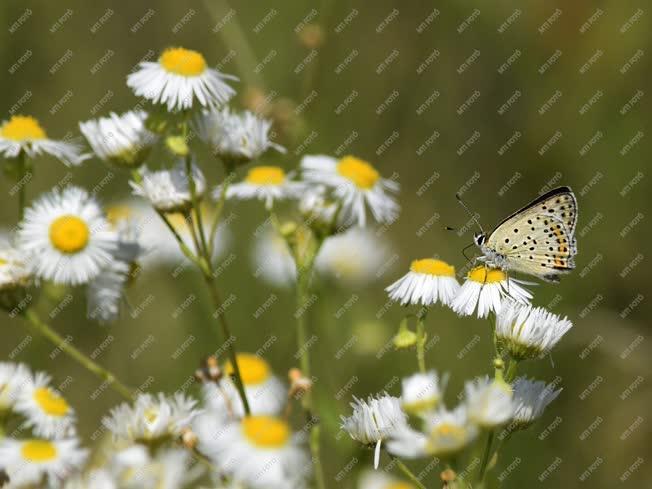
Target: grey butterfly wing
(539, 239)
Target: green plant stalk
(22, 186)
(54, 337)
(512, 368)
(226, 332)
(409, 474)
(219, 209)
(195, 205)
(485, 458)
(304, 274)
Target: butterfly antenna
(473, 216)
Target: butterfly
(537, 240)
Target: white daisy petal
(120, 139)
(356, 185)
(24, 133)
(180, 79)
(65, 237)
(429, 281)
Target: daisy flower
(272, 260)
(355, 257)
(374, 421)
(445, 433)
(65, 237)
(120, 139)
(429, 281)
(105, 292)
(169, 190)
(374, 479)
(260, 451)
(151, 418)
(531, 398)
(25, 134)
(356, 185)
(13, 270)
(489, 403)
(134, 467)
(320, 211)
(267, 183)
(486, 289)
(528, 332)
(178, 79)
(422, 392)
(14, 378)
(266, 394)
(45, 410)
(32, 461)
(238, 138)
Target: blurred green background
(497, 101)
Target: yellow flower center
(69, 234)
(399, 485)
(428, 266)
(38, 451)
(253, 369)
(51, 403)
(485, 275)
(266, 431)
(448, 430)
(184, 62)
(22, 128)
(361, 173)
(3, 262)
(117, 213)
(265, 175)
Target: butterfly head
(479, 239)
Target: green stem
(45, 330)
(22, 186)
(226, 331)
(195, 205)
(485, 457)
(421, 339)
(182, 245)
(409, 474)
(304, 274)
(219, 209)
(511, 371)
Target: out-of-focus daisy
(528, 332)
(485, 289)
(24, 133)
(66, 237)
(178, 79)
(120, 139)
(355, 257)
(444, 434)
(375, 479)
(530, 399)
(169, 190)
(489, 403)
(151, 418)
(422, 392)
(13, 270)
(136, 468)
(268, 183)
(94, 479)
(105, 292)
(320, 211)
(238, 138)
(45, 410)
(14, 379)
(429, 281)
(266, 394)
(38, 462)
(357, 184)
(374, 421)
(260, 451)
(272, 260)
